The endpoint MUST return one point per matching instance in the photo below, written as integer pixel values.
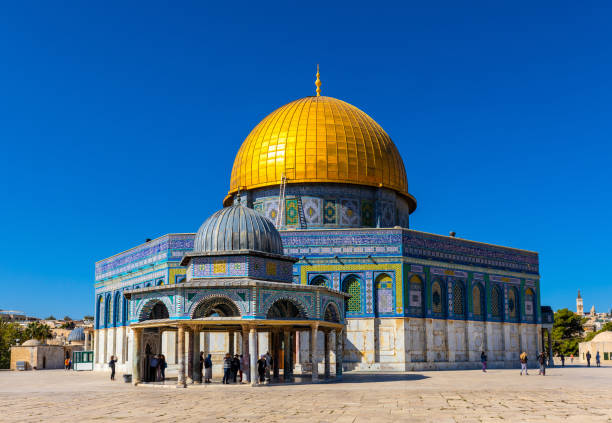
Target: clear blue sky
(119, 121)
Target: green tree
(52, 317)
(89, 318)
(606, 327)
(10, 334)
(68, 325)
(567, 332)
(67, 319)
(37, 330)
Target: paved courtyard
(576, 394)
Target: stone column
(231, 343)
(245, 352)
(327, 364)
(253, 352)
(339, 353)
(287, 355)
(136, 379)
(86, 341)
(298, 362)
(190, 354)
(181, 357)
(197, 375)
(312, 353)
(276, 347)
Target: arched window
(458, 299)
(513, 303)
(384, 294)
(331, 313)
(159, 282)
(116, 309)
(436, 297)
(320, 281)
(99, 305)
(415, 295)
(477, 300)
(216, 307)
(496, 301)
(529, 304)
(124, 312)
(154, 310)
(107, 311)
(352, 286)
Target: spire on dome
(579, 294)
(318, 82)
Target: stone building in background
(335, 185)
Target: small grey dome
(31, 343)
(237, 228)
(77, 334)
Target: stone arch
(153, 309)
(300, 303)
(352, 285)
(221, 305)
(331, 313)
(286, 308)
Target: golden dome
(322, 140)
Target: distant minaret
(579, 306)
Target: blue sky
(120, 122)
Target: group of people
(232, 368)
(542, 360)
(157, 368)
(597, 359)
(67, 363)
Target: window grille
(436, 298)
(458, 298)
(512, 303)
(353, 288)
(476, 300)
(495, 302)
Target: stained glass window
(436, 297)
(529, 297)
(458, 298)
(477, 300)
(353, 288)
(320, 281)
(496, 302)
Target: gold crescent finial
(318, 82)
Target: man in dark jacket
(111, 364)
(235, 367)
(227, 368)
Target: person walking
(483, 360)
(588, 357)
(111, 364)
(562, 357)
(572, 358)
(207, 369)
(67, 363)
(227, 369)
(244, 367)
(261, 368)
(597, 359)
(542, 361)
(523, 358)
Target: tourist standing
(153, 364)
(268, 365)
(562, 359)
(523, 358)
(111, 364)
(162, 367)
(597, 359)
(542, 361)
(261, 368)
(227, 368)
(207, 369)
(572, 358)
(235, 367)
(588, 357)
(67, 363)
(244, 366)
(483, 360)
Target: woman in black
(111, 364)
(261, 368)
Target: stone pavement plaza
(576, 394)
